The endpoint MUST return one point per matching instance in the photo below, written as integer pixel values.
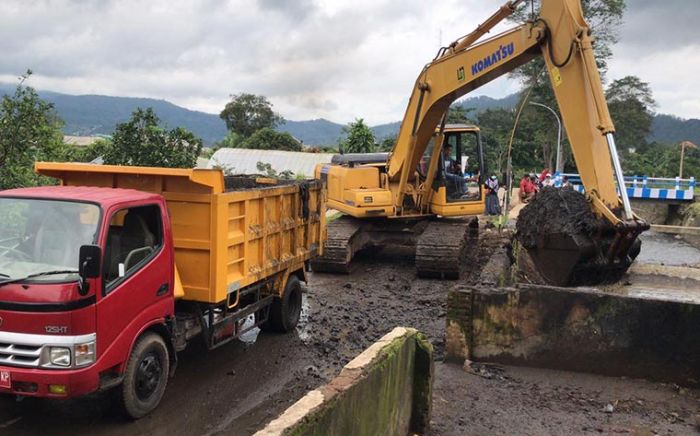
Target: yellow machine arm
(560, 34)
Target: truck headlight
(59, 356)
(84, 354)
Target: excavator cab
(458, 185)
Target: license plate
(5, 382)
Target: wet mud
(567, 243)
(504, 400)
(238, 388)
(560, 211)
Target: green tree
(270, 139)
(30, 130)
(604, 18)
(630, 88)
(71, 153)
(458, 114)
(495, 125)
(141, 141)
(246, 113)
(359, 138)
(387, 144)
(630, 102)
(231, 140)
(533, 147)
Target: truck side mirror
(89, 262)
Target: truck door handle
(162, 290)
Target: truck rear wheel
(285, 312)
(146, 376)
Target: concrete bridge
(649, 188)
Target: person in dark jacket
(492, 205)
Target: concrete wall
(386, 390)
(657, 211)
(576, 329)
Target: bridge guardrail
(657, 188)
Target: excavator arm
(561, 36)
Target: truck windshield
(44, 236)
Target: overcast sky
(312, 58)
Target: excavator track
(344, 240)
(440, 248)
(569, 245)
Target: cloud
(298, 9)
(659, 43)
(312, 58)
(676, 90)
(653, 25)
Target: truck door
(137, 275)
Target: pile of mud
(555, 210)
(567, 244)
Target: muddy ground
(239, 387)
(529, 401)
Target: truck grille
(19, 355)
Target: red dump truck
(104, 278)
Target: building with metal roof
(245, 161)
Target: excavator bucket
(569, 245)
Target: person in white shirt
(492, 206)
(548, 180)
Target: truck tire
(145, 377)
(284, 312)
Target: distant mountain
(86, 115)
(482, 102)
(324, 132)
(386, 130)
(313, 132)
(671, 129)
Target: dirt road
(236, 389)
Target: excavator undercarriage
(439, 244)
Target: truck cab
(83, 272)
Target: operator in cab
(453, 173)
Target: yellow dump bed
(228, 233)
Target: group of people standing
(531, 184)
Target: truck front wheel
(285, 312)
(146, 376)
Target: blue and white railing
(658, 188)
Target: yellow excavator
(419, 193)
